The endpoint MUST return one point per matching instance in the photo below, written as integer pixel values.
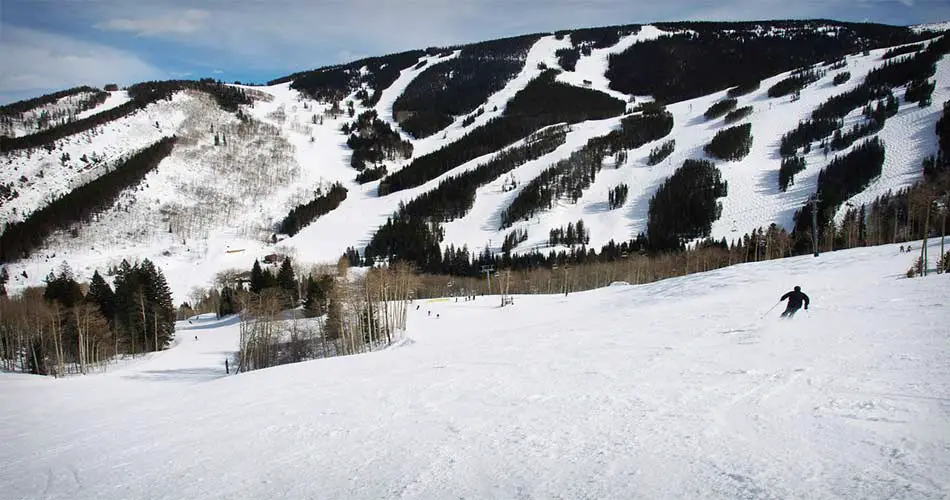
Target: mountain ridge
(288, 119)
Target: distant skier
(795, 299)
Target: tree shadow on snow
(178, 375)
(208, 325)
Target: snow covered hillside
(675, 389)
(212, 207)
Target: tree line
(732, 143)
(661, 152)
(720, 108)
(350, 315)
(583, 41)
(844, 177)
(571, 176)
(56, 116)
(415, 225)
(737, 114)
(334, 83)
(458, 86)
(302, 215)
(891, 218)
(574, 234)
(20, 107)
(684, 207)
(827, 118)
(68, 327)
(715, 56)
(795, 82)
(372, 141)
(617, 196)
(19, 239)
(543, 102)
(899, 51)
(141, 94)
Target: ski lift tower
(488, 270)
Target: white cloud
(186, 22)
(36, 60)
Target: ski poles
(770, 309)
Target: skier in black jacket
(795, 299)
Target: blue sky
(54, 44)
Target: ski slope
(675, 389)
(194, 209)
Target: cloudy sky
(54, 44)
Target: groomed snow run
(675, 389)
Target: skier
(795, 298)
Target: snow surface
(47, 177)
(675, 389)
(25, 123)
(115, 99)
(937, 27)
(217, 225)
(593, 68)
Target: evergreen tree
(102, 295)
(159, 308)
(286, 280)
(318, 292)
(258, 278)
(63, 288)
(227, 306)
(128, 302)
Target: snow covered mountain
(414, 120)
(674, 389)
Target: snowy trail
(590, 71)
(116, 98)
(195, 174)
(201, 347)
(674, 389)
